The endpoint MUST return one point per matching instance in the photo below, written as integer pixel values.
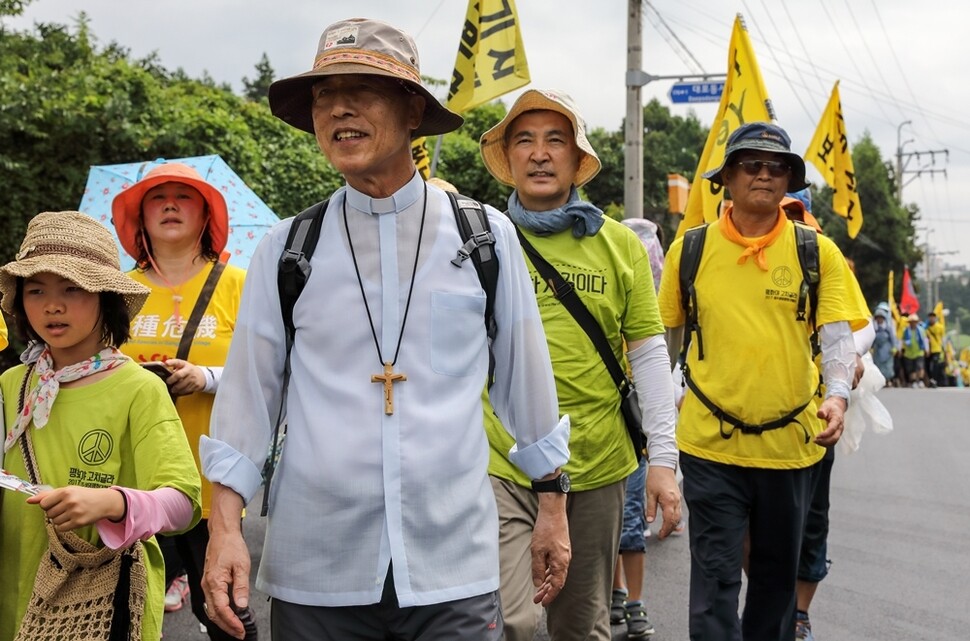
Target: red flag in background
(908, 302)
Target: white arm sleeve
(838, 358)
(655, 388)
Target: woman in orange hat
(175, 225)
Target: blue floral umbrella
(249, 217)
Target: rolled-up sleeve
(524, 391)
(250, 391)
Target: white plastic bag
(865, 411)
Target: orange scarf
(753, 246)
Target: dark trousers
(812, 563)
(186, 552)
(477, 618)
(724, 502)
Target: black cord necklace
(388, 377)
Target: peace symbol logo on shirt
(782, 276)
(95, 447)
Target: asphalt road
(899, 541)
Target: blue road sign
(704, 91)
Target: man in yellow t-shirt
(934, 360)
(3, 334)
(752, 426)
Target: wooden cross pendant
(388, 378)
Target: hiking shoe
(618, 607)
(638, 625)
(177, 593)
(803, 627)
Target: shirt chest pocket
(457, 332)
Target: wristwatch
(560, 484)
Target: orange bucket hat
(126, 207)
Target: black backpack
(294, 271)
(806, 241)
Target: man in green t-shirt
(541, 149)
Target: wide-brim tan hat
(126, 206)
(492, 143)
(360, 45)
(77, 247)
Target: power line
(798, 67)
(801, 44)
(865, 43)
(681, 49)
(849, 55)
(771, 50)
(902, 73)
(428, 21)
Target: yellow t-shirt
(757, 359)
(934, 333)
(611, 273)
(3, 334)
(155, 337)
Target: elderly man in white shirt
(382, 518)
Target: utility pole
(902, 160)
(633, 129)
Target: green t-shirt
(611, 273)
(121, 430)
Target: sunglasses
(776, 168)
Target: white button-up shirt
(357, 490)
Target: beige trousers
(582, 610)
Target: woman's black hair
(115, 318)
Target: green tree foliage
(671, 144)
(69, 104)
(13, 7)
(886, 240)
(258, 88)
(460, 162)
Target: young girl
(105, 434)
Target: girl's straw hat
(77, 247)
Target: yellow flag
(829, 152)
(743, 100)
(894, 308)
(421, 158)
(491, 58)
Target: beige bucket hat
(77, 247)
(360, 45)
(493, 141)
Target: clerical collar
(400, 200)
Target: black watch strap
(560, 484)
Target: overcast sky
(897, 60)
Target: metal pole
(899, 161)
(633, 127)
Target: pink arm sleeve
(149, 512)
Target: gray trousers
(473, 618)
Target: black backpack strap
(806, 241)
(479, 245)
(476, 232)
(690, 260)
(293, 270)
(566, 294)
(201, 303)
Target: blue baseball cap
(762, 136)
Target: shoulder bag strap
(26, 448)
(185, 344)
(566, 294)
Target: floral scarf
(753, 246)
(37, 406)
